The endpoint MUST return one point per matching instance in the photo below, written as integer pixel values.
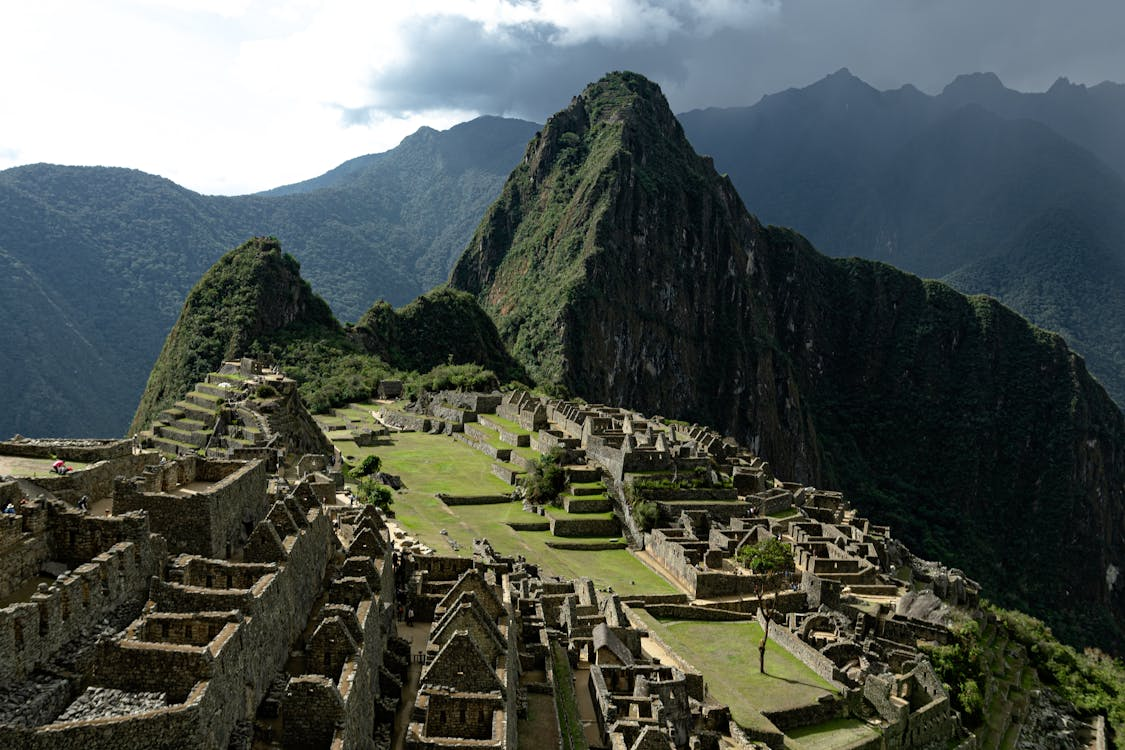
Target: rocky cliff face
(619, 265)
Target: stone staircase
(208, 417)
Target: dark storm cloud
(716, 53)
(524, 70)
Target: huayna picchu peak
(620, 266)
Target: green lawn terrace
(21, 467)
(726, 654)
(430, 465)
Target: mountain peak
(975, 85)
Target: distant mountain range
(1014, 195)
(1019, 196)
(96, 262)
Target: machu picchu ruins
(213, 582)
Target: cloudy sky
(234, 96)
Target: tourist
(409, 616)
(60, 467)
(10, 509)
(84, 503)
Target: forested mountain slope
(997, 192)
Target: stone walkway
(417, 635)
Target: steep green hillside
(959, 186)
(252, 294)
(99, 260)
(619, 264)
(443, 326)
(254, 302)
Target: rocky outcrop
(619, 265)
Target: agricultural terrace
(431, 464)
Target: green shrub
(646, 514)
(369, 465)
(370, 492)
(265, 390)
(547, 478)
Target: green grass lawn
(833, 734)
(437, 463)
(784, 513)
(430, 464)
(727, 653)
(507, 424)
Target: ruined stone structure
(244, 410)
(211, 606)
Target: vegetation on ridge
(253, 302)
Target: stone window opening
(187, 632)
(17, 632)
(164, 629)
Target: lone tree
(547, 478)
(371, 492)
(767, 558)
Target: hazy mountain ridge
(99, 260)
(948, 186)
(620, 265)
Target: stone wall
(405, 421)
(21, 556)
(584, 527)
(481, 403)
(474, 499)
(213, 523)
(687, 612)
(86, 451)
(808, 655)
(32, 632)
(95, 481)
(312, 707)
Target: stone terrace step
(206, 400)
(192, 410)
(194, 438)
(510, 473)
(582, 473)
(588, 488)
(215, 390)
(587, 504)
(172, 447)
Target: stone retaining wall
(580, 527)
(86, 451)
(688, 612)
(404, 421)
(808, 655)
(473, 499)
(587, 546)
